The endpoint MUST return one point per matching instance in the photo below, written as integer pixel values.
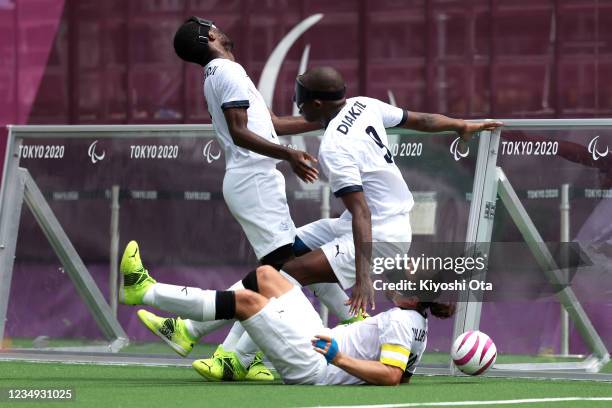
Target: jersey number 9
(372, 133)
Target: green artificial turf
(138, 386)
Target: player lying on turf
(247, 132)
(380, 350)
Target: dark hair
(440, 310)
(187, 46)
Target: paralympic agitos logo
(595, 152)
(208, 154)
(456, 150)
(95, 157)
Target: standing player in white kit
(253, 189)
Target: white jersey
(396, 337)
(227, 85)
(354, 155)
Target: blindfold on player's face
(203, 28)
(303, 94)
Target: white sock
(198, 328)
(332, 296)
(231, 341)
(192, 303)
(246, 350)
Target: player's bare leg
(270, 284)
(310, 268)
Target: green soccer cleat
(258, 371)
(223, 366)
(172, 331)
(359, 317)
(136, 279)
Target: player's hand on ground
(301, 164)
(362, 297)
(470, 128)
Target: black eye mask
(303, 94)
(203, 28)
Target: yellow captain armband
(394, 355)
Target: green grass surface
(130, 386)
(203, 350)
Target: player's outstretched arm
(432, 122)
(237, 120)
(290, 125)
(370, 371)
(362, 294)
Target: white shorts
(335, 238)
(258, 201)
(283, 330)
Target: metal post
(566, 296)
(565, 237)
(325, 212)
(480, 229)
(11, 163)
(73, 264)
(9, 227)
(114, 249)
(11, 201)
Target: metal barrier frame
(489, 182)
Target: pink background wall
(28, 34)
(87, 61)
(112, 61)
